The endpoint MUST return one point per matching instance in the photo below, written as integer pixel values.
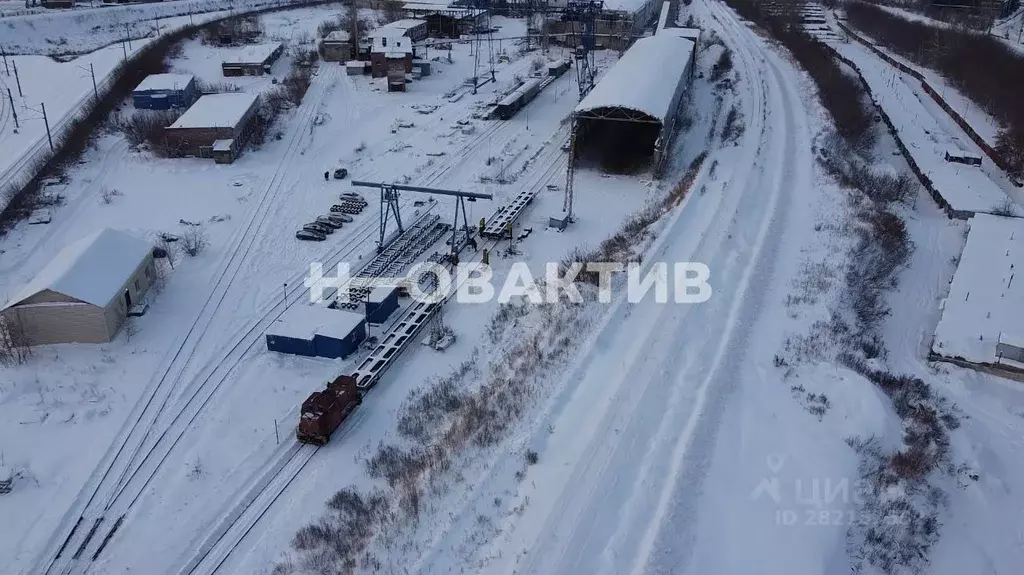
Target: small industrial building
(336, 47)
(444, 19)
(217, 126)
(86, 292)
(981, 316)
(391, 56)
(616, 26)
(317, 331)
(164, 91)
(381, 303)
(627, 121)
(411, 28)
(254, 60)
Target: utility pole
(125, 50)
(17, 79)
(95, 92)
(14, 111)
(46, 122)
(276, 434)
(4, 54)
(127, 36)
(286, 295)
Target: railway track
(159, 390)
(107, 505)
(266, 489)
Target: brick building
(217, 126)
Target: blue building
(164, 91)
(317, 331)
(381, 303)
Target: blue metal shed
(381, 303)
(164, 91)
(317, 331)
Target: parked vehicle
(324, 220)
(340, 218)
(340, 174)
(309, 236)
(353, 200)
(315, 227)
(323, 411)
(353, 196)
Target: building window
(384, 42)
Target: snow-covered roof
(396, 28)
(305, 321)
(164, 82)
(645, 79)
(216, 110)
(255, 54)
(625, 5)
(338, 36)
(380, 293)
(986, 300)
(92, 270)
(958, 153)
(688, 33)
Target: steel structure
(389, 206)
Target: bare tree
(129, 328)
(194, 241)
(15, 347)
(392, 10)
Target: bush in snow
(723, 66)
(15, 347)
(147, 127)
(194, 241)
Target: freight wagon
(323, 411)
(518, 99)
(556, 69)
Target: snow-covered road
(625, 447)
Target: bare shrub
(325, 28)
(15, 347)
(129, 329)
(305, 58)
(195, 240)
(147, 127)
(222, 87)
(1007, 209)
(723, 65)
(733, 128)
(956, 53)
(107, 195)
(392, 10)
(531, 457)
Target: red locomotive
(323, 411)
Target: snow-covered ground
(669, 441)
(31, 89)
(928, 132)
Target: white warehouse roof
(164, 82)
(91, 270)
(645, 79)
(216, 110)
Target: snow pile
(630, 84)
(985, 300)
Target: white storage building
(85, 293)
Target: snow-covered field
(667, 438)
(27, 81)
(928, 133)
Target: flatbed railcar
(519, 98)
